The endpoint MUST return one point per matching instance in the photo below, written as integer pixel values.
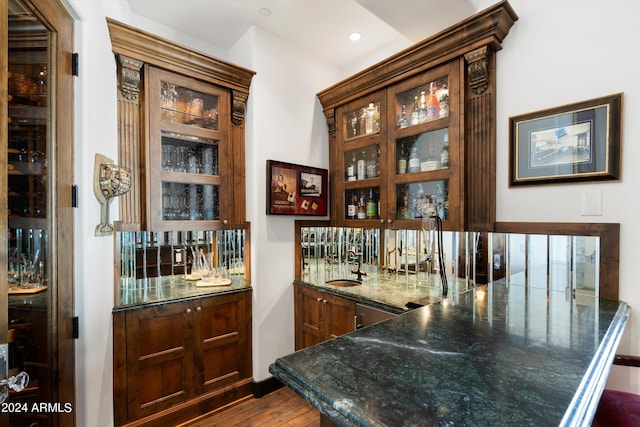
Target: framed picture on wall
(573, 143)
(295, 189)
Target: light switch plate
(591, 203)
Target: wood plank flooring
(280, 408)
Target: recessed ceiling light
(264, 11)
(355, 36)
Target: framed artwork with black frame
(573, 143)
(296, 189)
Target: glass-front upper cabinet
(423, 150)
(188, 153)
(361, 131)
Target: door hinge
(76, 327)
(74, 196)
(74, 64)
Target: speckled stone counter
(501, 354)
(161, 290)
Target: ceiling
(317, 26)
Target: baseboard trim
(262, 388)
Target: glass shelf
(423, 152)
(416, 199)
(182, 153)
(187, 106)
(424, 103)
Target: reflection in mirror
(28, 180)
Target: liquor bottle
(371, 112)
(444, 156)
(444, 102)
(362, 210)
(402, 160)
(351, 169)
(433, 106)
(415, 113)
(361, 167)
(372, 206)
(403, 122)
(372, 165)
(414, 160)
(422, 111)
(352, 207)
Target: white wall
(560, 52)
(555, 54)
(284, 122)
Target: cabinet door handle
(319, 299)
(225, 222)
(389, 220)
(198, 309)
(324, 301)
(188, 310)
(381, 220)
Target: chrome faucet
(358, 271)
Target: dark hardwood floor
(282, 407)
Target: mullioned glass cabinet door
(423, 157)
(188, 153)
(361, 130)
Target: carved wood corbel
(478, 69)
(239, 107)
(129, 77)
(331, 121)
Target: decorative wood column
(129, 146)
(480, 141)
(237, 132)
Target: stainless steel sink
(343, 282)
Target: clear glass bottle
(422, 112)
(444, 102)
(372, 163)
(351, 169)
(403, 122)
(369, 123)
(415, 118)
(361, 167)
(414, 160)
(402, 159)
(444, 156)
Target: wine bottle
(372, 206)
(371, 111)
(372, 165)
(444, 156)
(352, 207)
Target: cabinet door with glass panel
(187, 153)
(360, 136)
(424, 158)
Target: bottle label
(362, 214)
(361, 169)
(414, 164)
(372, 209)
(351, 211)
(350, 171)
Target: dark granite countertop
(162, 290)
(501, 354)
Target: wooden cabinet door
(221, 341)
(320, 316)
(309, 317)
(340, 316)
(159, 358)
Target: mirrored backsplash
(552, 262)
(154, 261)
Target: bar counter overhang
(500, 354)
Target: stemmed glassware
(113, 181)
